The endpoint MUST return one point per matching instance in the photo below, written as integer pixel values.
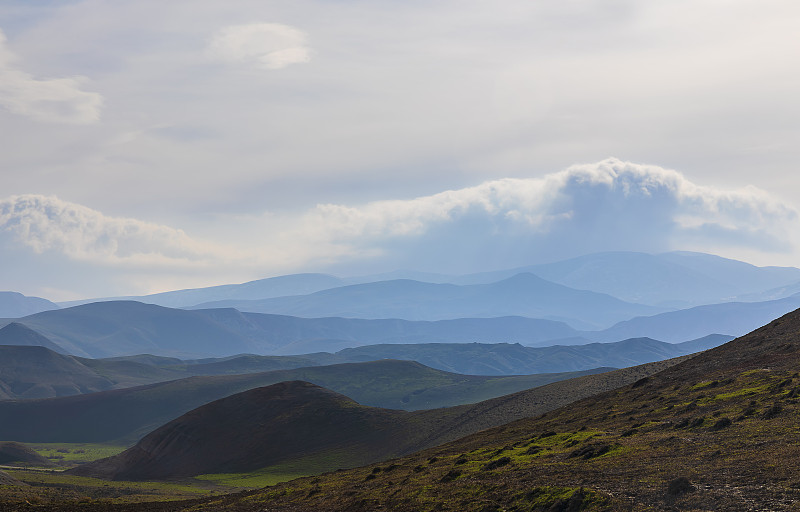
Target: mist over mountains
(569, 302)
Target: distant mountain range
(520, 295)
(671, 280)
(109, 329)
(16, 305)
(735, 318)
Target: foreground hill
(715, 432)
(16, 454)
(315, 429)
(522, 295)
(128, 414)
(258, 428)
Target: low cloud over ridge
(610, 205)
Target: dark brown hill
(258, 428)
(172, 450)
(17, 453)
(716, 432)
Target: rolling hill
(509, 359)
(127, 414)
(714, 432)
(316, 430)
(260, 427)
(37, 372)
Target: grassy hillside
(715, 432)
(315, 430)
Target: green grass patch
(75, 453)
(253, 480)
(740, 392)
(65, 485)
(282, 472)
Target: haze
(150, 146)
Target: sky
(149, 146)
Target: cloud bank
(55, 100)
(48, 224)
(610, 205)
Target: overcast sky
(152, 145)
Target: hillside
(522, 295)
(37, 372)
(261, 427)
(715, 432)
(18, 454)
(128, 414)
(297, 421)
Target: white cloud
(54, 100)
(49, 224)
(268, 45)
(610, 205)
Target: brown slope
(165, 454)
(6, 479)
(258, 428)
(12, 453)
(716, 432)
